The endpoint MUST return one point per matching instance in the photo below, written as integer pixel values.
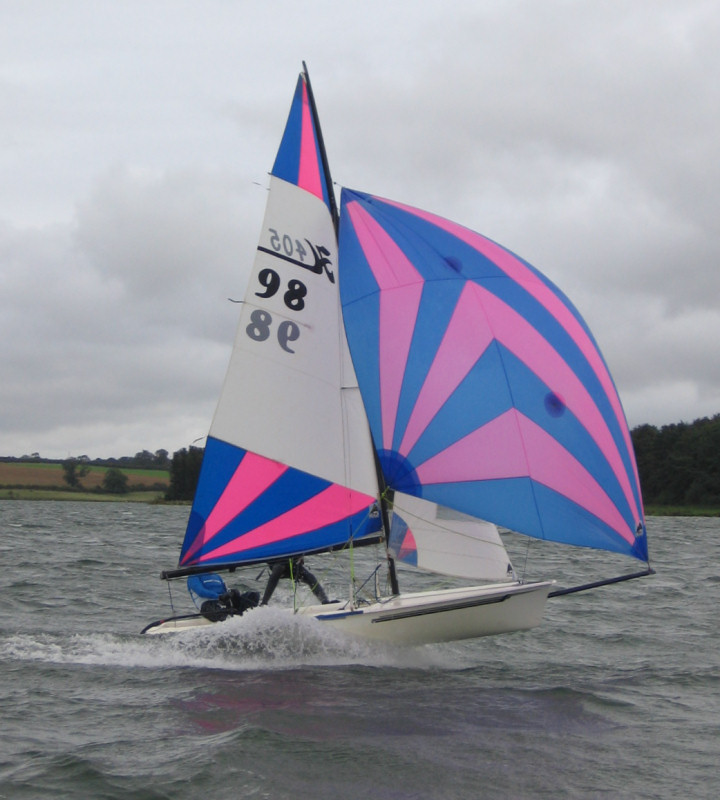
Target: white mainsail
(290, 392)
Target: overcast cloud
(136, 137)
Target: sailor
(292, 568)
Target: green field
(62, 494)
(28, 480)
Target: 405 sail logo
(293, 250)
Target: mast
(323, 155)
(384, 516)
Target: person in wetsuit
(292, 568)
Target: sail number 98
(261, 321)
(259, 329)
(293, 297)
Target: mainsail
(484, 388)
(288, 465)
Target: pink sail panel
(408, 547)
(521, 448)
(253, 476)
(398, 308)
(330, 506)
(467, 337)
(524, 341)
(310, 176)
(519, 272)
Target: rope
(353, 593)
(527, 555)
(172, 607)
(294, 586)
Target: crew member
(292, 568)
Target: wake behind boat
(399, 379)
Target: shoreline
(154, 497)
(62, 495)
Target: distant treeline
(680, 464)
(184, 473)
(143, 472)
(142, 460)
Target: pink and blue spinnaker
(485, 390)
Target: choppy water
(616, 696)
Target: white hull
(423, 617)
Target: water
(616, 696)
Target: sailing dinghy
(399, 379)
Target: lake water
(617, 695)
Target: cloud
(135, 141)
(121, 317)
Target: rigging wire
(172, 606)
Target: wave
(273, 640)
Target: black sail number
(270, 280)
(294, 297)
(261, 321)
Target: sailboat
(399, 380)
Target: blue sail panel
(482, 381)
(401, 541)
(249, 508)
(299, 158)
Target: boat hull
(443, 616)
(422, 617)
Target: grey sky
(136, 137)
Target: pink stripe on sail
(545, 461)
(553, 466)
(465, 340)
(498, 441)
(519, 272)
(401, 288)
(408, 546)
(309, 173)
(331, 505)
(254, 474)
(522, 339)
